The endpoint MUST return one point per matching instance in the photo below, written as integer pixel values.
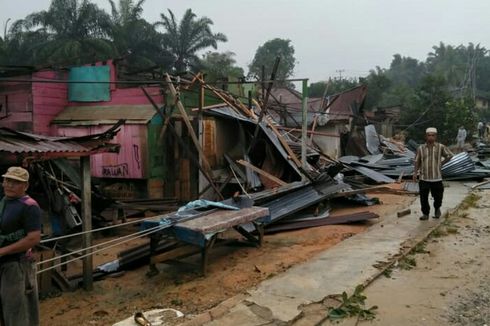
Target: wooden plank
(262, 172)
(87, 221)
(44, 279)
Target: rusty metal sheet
(15, 142)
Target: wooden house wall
(48, 99)
(16, 100)
(130, 163)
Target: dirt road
(450, 284)
(232, 270)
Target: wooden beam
(87, 222)
(187, 122)
(262, 172)
(184, 146)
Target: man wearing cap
(20, 230)
(430, 157)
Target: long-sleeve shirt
(429, 161)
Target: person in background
(20, 231)
(481, 129)
(461, 138)
(429, 160)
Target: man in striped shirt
(430, 157)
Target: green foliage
(427, 108)
(134, 38)
(378, 83)
(407, 263)
(70, 31)
(266, 55)
(184, 39)
(220, 66)
(353, 306)
(406, 71)
(331, 87)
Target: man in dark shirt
(20, 231)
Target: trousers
(19, 303)
(436, 189)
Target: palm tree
(133, 37)
(76, 31)
(19, 43)
(186, 38)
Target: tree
(265, 56)
(134, 38)
(378, 84)
(74, 31)
(331, 87)
(406, 71)
(186, 38)
(427, 108)
(220, 66)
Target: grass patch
(407, 263)
(387, 272)
(439, 232)
(470, 201)
(353, 306)
(420, 248)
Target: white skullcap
(431, 130)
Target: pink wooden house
(30, 106)
(42, 106)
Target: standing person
(20, 230)
(429, 161)
(460, 138)
(481, 129)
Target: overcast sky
(328, 35)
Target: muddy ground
(232, 270)
(449, 284)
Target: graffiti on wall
(136, 152)
(119, 170)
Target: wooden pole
(305, 123)
(187, 122)
(87, 221)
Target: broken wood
(262, 172)
(185, 147)
(187, 122)
(403, 212)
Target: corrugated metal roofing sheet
(94, 115)
(17, 143)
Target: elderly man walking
(428, 161)
(20, 230)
